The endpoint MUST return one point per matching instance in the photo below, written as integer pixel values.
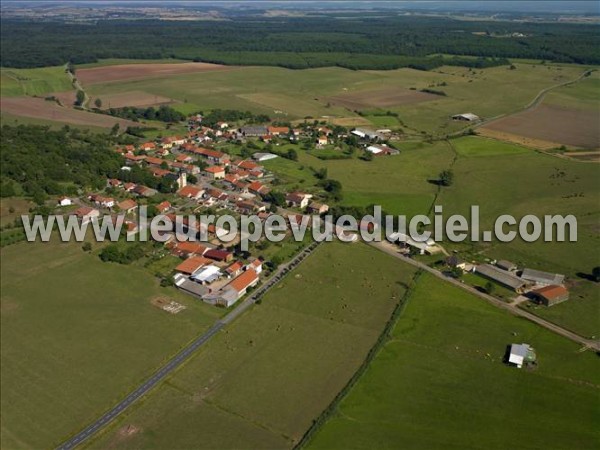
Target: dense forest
(357, 43)
(232, 115)
(38, 161)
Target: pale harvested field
(584, 156)
(133, 98)
(351, 121)
(127, 72)
(39, 108)
(539, 144)
(381, 98)
(555, 124)
(66, 98)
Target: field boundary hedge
(377, 346)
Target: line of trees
(163, 113)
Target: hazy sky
(578, 6)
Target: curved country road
(184, 354)
(537, 100)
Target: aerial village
(200, 177)
(196, 177)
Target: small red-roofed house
(163, 207)
(215, 172)
(190, 191)
(127, 206)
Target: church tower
(182, 180)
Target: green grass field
(77, 335)
(15, 82)
(440, 383)
(261, 382)
(400, 184)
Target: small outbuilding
(468, 117)
(263, 156)
(507, 265)
(503, 277)
(64, 201)
(521, 354)
(542, 278)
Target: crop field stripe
(381, 340)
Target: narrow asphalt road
(186, 353)
(513, 309)
(536, 101)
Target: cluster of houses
(212, 274)
(203, 177)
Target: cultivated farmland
(262, 381)
(38, 108)
(68, 320)
(568, 115)
(125, 72)
(441, 374)
(295, 94)
(135, 99)
(554, 124)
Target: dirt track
(124, 72)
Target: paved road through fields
(186, 353)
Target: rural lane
(390, 249)
(535, 102)
(177, 360)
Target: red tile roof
(190, 248)
(244, 280)
(552, 291)
(189, 191)
(234, 267)
(127, 204)
(278, 130)
(210, 153)
(192, 264)
(218, 255)
(256, 186)
(158, 172)
(248, 165)
(135, 158)
(214, 169)
(231, 178)
(83, 211)
(183, 158)
(155, 161)
(162, 207)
